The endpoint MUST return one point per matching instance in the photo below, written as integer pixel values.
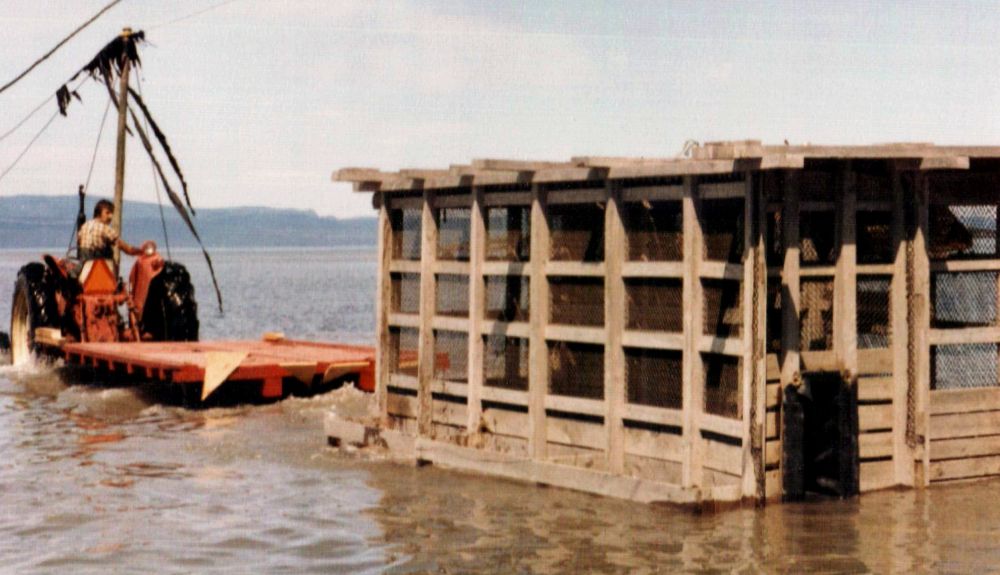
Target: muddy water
(99, 480)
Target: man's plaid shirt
(96, 236)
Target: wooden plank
(402, 405)
(845, 329)
(403, 319)
(507, 199)
(965, 265)
(572, 333)
(721, 425)
(502, 395)
(772, 453)
(614, 313)
(579, 405)
(453, 388)
(511, 329)
(450, 323)
(721, 270)
(451, 267)
(383, 304)
(477, 310)
(450, 413)
(949, 401)
(404, 381)
(723, 190)
(773, 393)
(653, 339)
(653, 193)
(773, 368)
(653, 269)
(966, 335)
(965, 468)
(397, 202)
(583, 269)
(965, 447)
(425, 349)
(772, 426)
(903, 452)
(790, 284)
(875, 445)
(505, 268)
(920, 314)
(675, 168)
(654, 445)
(730, 346)
(651, 469)
(875, 361)
(576, 433)
(656, 415)
(964, 425)
(580, 196)
(571, 174)
(818, 271)
(944, 163)
(876, 389)
(538, 350)
(723, 457)
(453, 201)
(505, 422)
(877, 475)
(517, 165)
(878, 416)
(692, 394)
(404, 266)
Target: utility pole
(116, 222)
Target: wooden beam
(750, 383)
(383, 303)
(921, 318)
(845, 282)
(538, 351)
(790, 285)
(902, 452)
(425, 350)
(614, 325)
(477, 304)
(944, 163)
(692, 385)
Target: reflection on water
(98, 480)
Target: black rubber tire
(171, 312)
(34, 306)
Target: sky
(264, 99)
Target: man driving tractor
(96, 238)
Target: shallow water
(98, 480)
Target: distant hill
(47, 221)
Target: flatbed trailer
(269, 368)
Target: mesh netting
(403, 345)
(774, 317)
(722, 226)
(872, 181)
(874, 238)
(964, 366)
(723, 395)
(576, 300)
(775, 239)
(816, 186)
(451, 295)
(774, 185)
(505, 362)
(816, 319)
(508, 233)
(507, 298)
(723, 307)
(451, 354)
(453, 233)
(817, 238)
(653, 377)
(577, 232)
(874, 312)
(962, 232)
(654, 304)
(963, 299)
(405, 293)
(654, 231)
(576, 369)
(405, 233)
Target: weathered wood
(449, 413)
(538, 351)
(505, 422)
(966, 335)
(450, 267)
(877, 389)
(402, 266)
(580, 405)
(653, 269)
(404, 319)
(965, 265)
(691, 384)
(502, 395)
(572, 333)
(903, 453)
(875, 445)
(656, 415)
(653, 339)
(653, 469)
(425, 349)
(576, 433)
(506, 268)
(773, 395)
(964, 425)
(965, 468)
(723, 457)
(730, 346)
(452, 388)
(511, 329)
(518, 165)
(581, 196)
(614, 324)
(383, 304)
(877, 416)
(723, 190)
(944, 402)
(920, 314)
(460, 324)
(584, 269)
(721, 270)
(845, 312)
(116, 219)
(721, 425)
(404, 381)
(790, 285)
(507, 199)
(453, 201)
(653, 193)
(877, 475)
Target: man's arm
(130, 250)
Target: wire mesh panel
(577, 232)
(653, 377)
(507, 298)
(453, 233)
(723, 307)
(775, 238)
(723, 394)
(508, 233)
(963, 299)
(722, 226)
(406, 226)
(576, 300)
(872, 180)
(817, 186)
(816, 319)
(451, 356)
(964, 366)
(505, 362)
(874, 311)
(654, 231)
(451, 295)
(654, 304)
(403, 345)
(817, 238)
(576, 369)
(774, 315)
(405, 293)
(874, 238)
(962, 232)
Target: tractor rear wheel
(34, 307)
(171, 312)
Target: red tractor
(70, 300)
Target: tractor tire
(34, 306)
(171, 312)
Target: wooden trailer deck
(270, 363)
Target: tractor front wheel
(34, 307)
(171, 312)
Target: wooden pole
(116, 222)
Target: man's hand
(130, 250)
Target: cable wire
(35, 111)
(93, 160)
(191, 15)
(28, 147)
(59, 45)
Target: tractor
(72, 300)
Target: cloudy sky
(264, 99)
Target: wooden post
(753, 383)
(921, 316)
(845, 285)
(425, 353)
(538, 350)
(382, 309)
(477, 303)
(116, 221)
(903, 454)
(759, 421)
(790, 285)
(692, 397)
(614, 324)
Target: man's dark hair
(103, 205)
